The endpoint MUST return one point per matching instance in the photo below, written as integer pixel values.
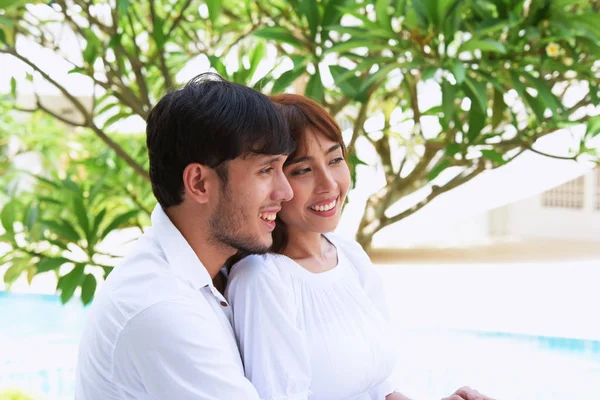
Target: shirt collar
(180, 256)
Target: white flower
(552, 49)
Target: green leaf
(459, 71)
(448, 97)
(158, 32)
(69, 282)
(452, 149)
(332, 15)
(218, 65)
(214, 9)
(279, 34)
(444, 8)
(314, 87)
(6, 4)
(14, 271)
(81, 215)
(483, 45)
(115, 40)
(477, 118)
(376, 78)
(68, 184)
(593, 127)
(5, 21)
(106, 107)
(88, 288)
(119, 221)
(476, 91)
(77, 70)
(498, 108)
(7, 217)
(437, 169)
(48, 182)
(31, 215)
(96, 227)
(257, 55)
(3, 36)
(286, 79)
(545, 94)
(66, 231)
(493, 156)
(533, 103)
(13, 87)
(428, 73)
(383, 16)
(92, 48)
(123, 6)
(310, 9)
(354, 162)
(345, 80)
(351, 44)
(50, 263)
(116, 118)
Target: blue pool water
(39, 336)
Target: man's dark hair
(209, 121)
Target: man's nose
(283, 191)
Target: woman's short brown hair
(303, 115)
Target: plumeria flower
(552, 49)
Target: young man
(159, 329)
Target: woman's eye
(301, 172)
(337, 160)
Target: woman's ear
(199, 181)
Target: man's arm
(173, 350)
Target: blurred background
(473, 131)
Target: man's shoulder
(142, 279)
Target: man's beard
(227, 228)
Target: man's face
(244, 215)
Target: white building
(567, 211)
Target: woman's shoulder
(258, 277)
(349, 247)
(258, 269)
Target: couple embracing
(250, 187)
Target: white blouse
(304, 335)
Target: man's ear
(199, 182)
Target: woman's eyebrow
(306, 158)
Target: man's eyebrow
(271, 160)
(306, 158)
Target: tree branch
(530, 148)
(87, 117)
(435, 191)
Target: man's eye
(301, 172)
(266, 170)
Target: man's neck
(194, 231)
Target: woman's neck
(303, 244)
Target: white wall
(528, 218)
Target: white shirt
(159, 329)
(313, 336)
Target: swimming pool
(38, 346)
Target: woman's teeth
(268, 216)
(325, 207)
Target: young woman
(310, 317)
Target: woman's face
(320, 178)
